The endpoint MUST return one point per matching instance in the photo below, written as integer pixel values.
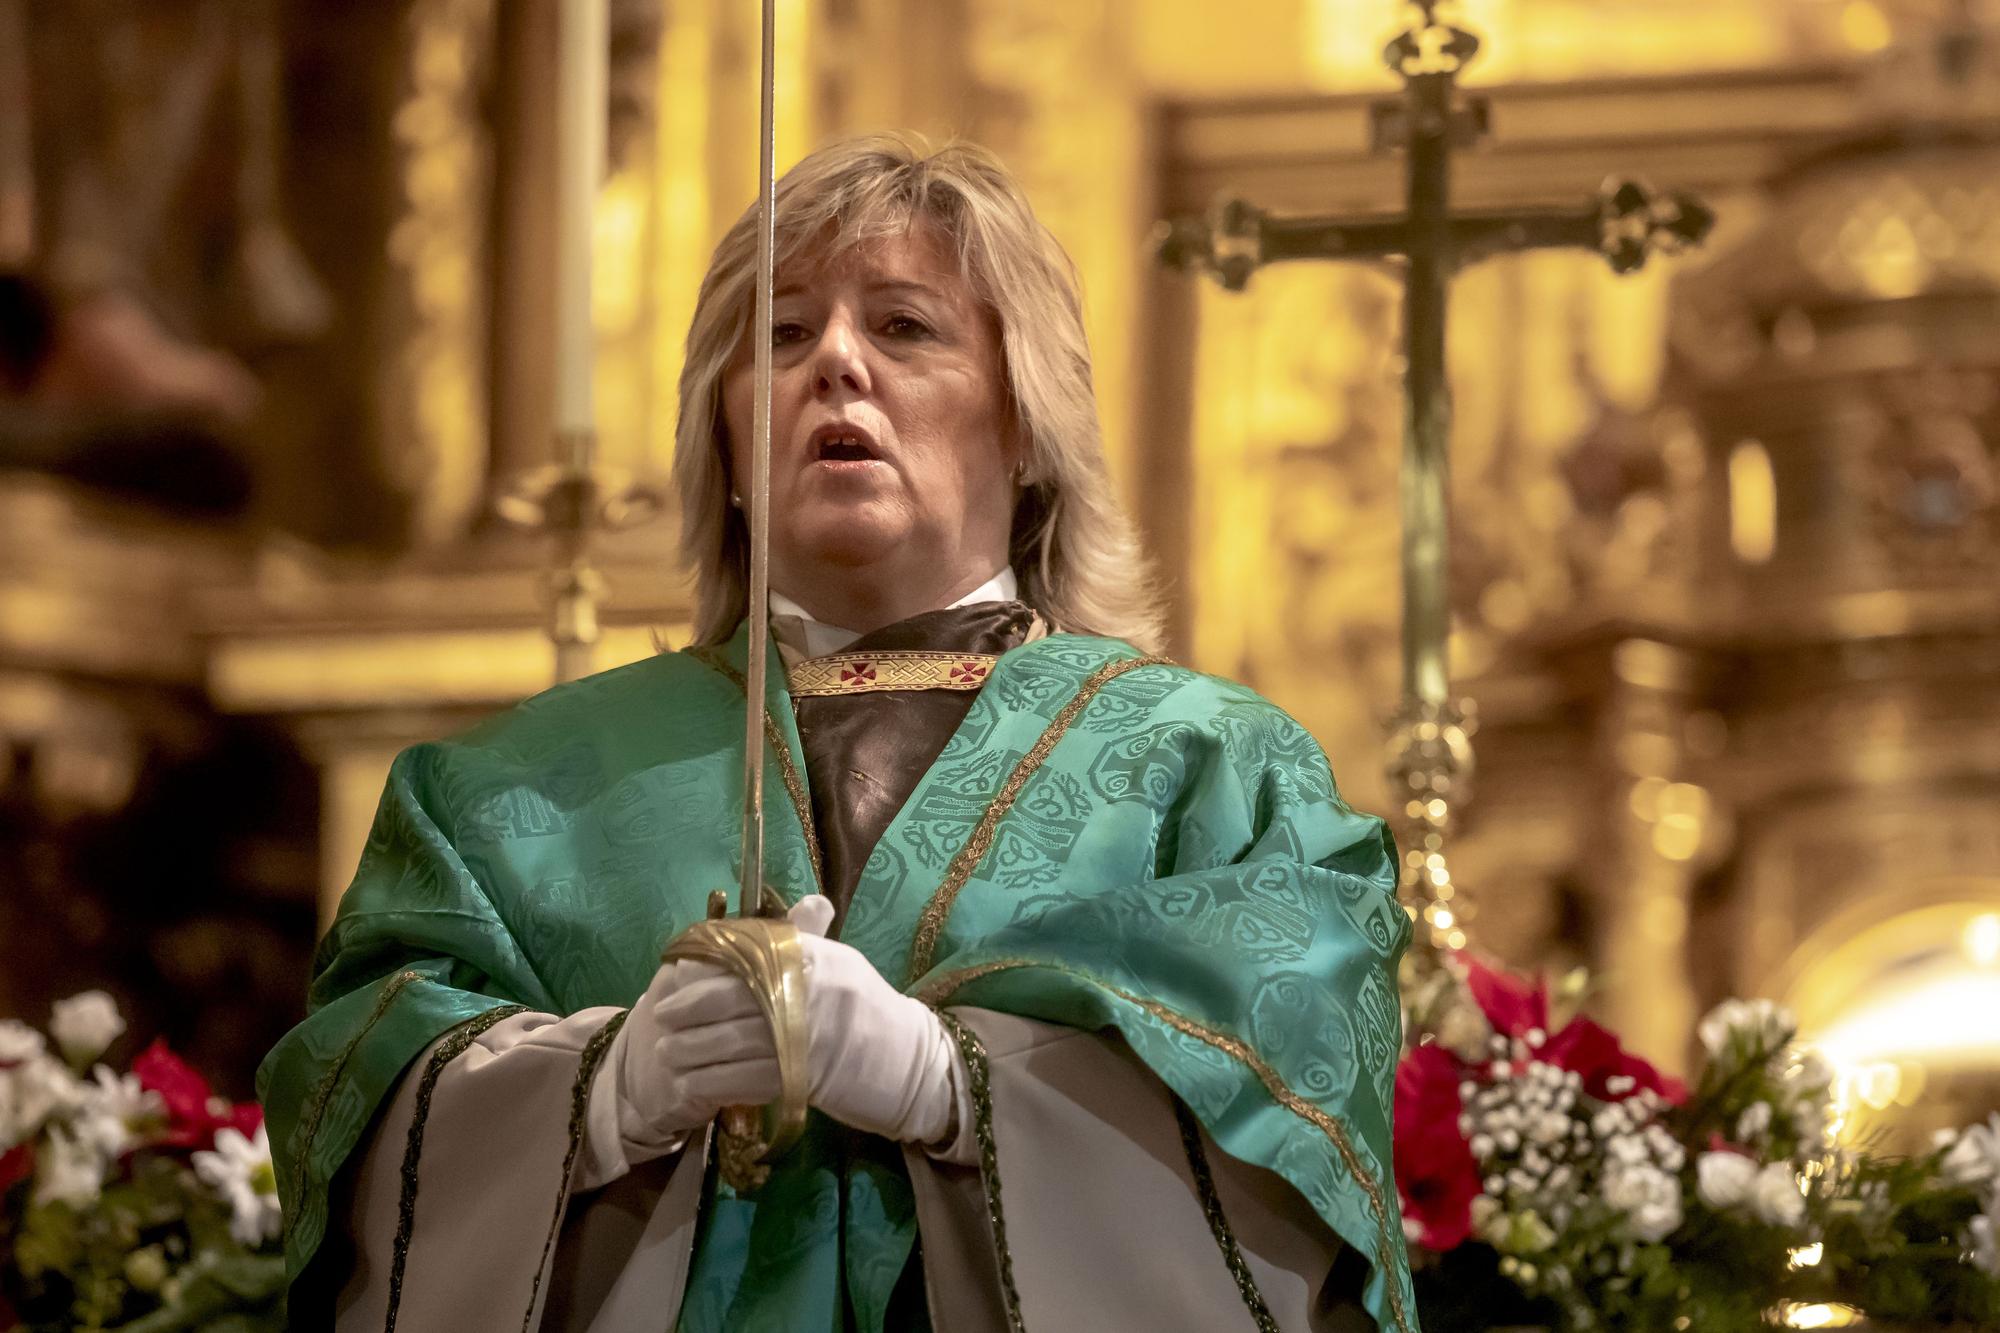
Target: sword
(757, 504)
(758, 943)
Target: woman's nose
(838, 365)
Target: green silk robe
(1106, 842)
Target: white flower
(13, 1129)
(68, 1170)
(1752, 1124)
(240, 1171)
(1764, 1022)
(1776, 1197)
(1974, 1158)
(1985, 1244)
(19, 1042)
(83, 1025)
(1649, 1198)
(124, 1096)
(32, 1092)
(1549, 1127)
(1489, 1218)
(113, 1108)
(1724, 1179)
(1807, 1078)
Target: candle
(582, 47)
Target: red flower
(1510, 1003)
(245, 1117)
(1435, 1171)
(1514, 1006)
(1597, 1058)
(194, 1112)
(16, 1165)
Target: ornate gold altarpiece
(1705, 772)
(1724, 585)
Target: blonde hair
(1073, 547)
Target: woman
(1101, 969)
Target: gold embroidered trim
(455, 1044)
(579, 1105)
(867, 673)
(324, 1092)
(924, 945)
(941, 989)
(788, 772)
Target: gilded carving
(432, 400)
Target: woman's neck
(865, 605)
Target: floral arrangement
(1551, 1178)
(136, 1201)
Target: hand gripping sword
(758, 943)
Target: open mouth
(844, 444)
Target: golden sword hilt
(764, 951)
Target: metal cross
(1430, 754)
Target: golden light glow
(1753, 503)
(621, 303)
(617, 293)
(1943, 1016)
(1344, 39)
(1798, 1315)
(685, 90)
(1864, 27)
(1982, 939)
(1806, 1256)
(1873, 1085)
(1563, 39)
(1896, 1000)
(1683, 810)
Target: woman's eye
(905, 326)
(785, 332)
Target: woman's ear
(1020, 450)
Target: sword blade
(750, 889)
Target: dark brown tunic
(865, 753)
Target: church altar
(1727, 620)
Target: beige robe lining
(1103, 1218)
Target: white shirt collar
(822, 638)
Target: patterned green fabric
(1180, 868)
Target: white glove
(694, 1043)
(880, 1060)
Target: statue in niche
(142, 255)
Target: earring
(735, 500)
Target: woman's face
(893, 444)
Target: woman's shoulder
(1177, 692)
(603, 704)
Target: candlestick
(574, 499)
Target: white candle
(583, 48)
